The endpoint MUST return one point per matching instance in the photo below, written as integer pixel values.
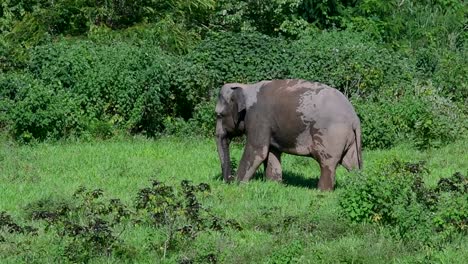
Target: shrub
(452, 210)
(205, 118)
(440, 120)
(8, 225)
(350, 62)
(452, 215)
(35, 110)
(445, 68)
(371, 197)
(420, 115)
(242, 57)
(378, 131)
(89, 227)
(451, 68)
(123, 84)
(191, 84)
(291, 253)
(395, 195)
(386, 121)
(202, 123)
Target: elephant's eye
(219, 115)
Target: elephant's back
(312, 101)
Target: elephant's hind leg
(329, 147)
(272, 165)
(327, 174)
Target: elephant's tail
(357, 141)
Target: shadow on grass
(299, 180)
(289, 178)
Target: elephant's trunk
(222, 142)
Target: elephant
(292, 116)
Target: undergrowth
(395, 195)
(93, 226)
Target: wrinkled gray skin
(291, 116)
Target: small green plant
(8, 225)
(452, 211)
(458, 183)
(179, 212)
(90, 228)
(289, 254)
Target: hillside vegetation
(96, 68)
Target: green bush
(202, 123)
(190, 84)
(350, 62)
(291, 253)
(394, 194)
(439, 122)
(378, 131)
(11, 56)
(278, 17)
(445, 69)
(205, 118)
(372, 197)
(385, 121)
(87, 225)
(452, 67)
(421, 115)
(123, 84)
(452, 214)
(242, 57)
(35, 110)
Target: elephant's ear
(239, 98)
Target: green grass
(121, 167)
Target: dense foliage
(395, 194)
(93, 68)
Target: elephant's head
(230, 114)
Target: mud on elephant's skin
(287, 116)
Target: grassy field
(279, 223)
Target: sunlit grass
(122, 167)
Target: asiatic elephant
(291, 116)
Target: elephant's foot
(273, 172)
(230, 179)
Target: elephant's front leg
(272, 165)
(253, 156)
